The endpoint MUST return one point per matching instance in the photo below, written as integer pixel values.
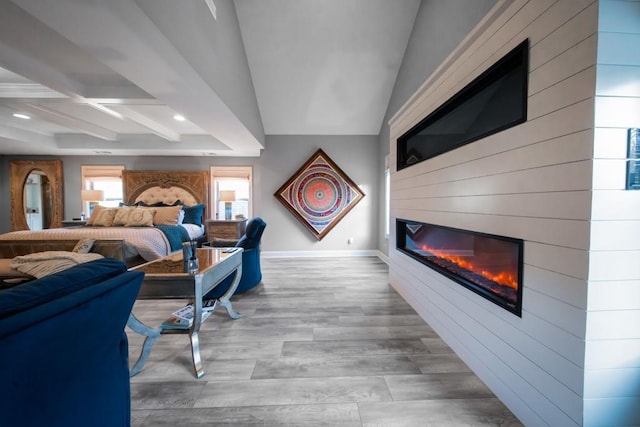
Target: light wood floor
(323, 342)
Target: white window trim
(98, 171)
(222, 172)
(387, 197)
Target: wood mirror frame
(19, 171)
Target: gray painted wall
(439, 27)
(71, 166)
(357, 156)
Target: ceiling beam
(37, 71)
(25, 136)
(134, 145)
(27, 90)
(102, 28)
(143, 120)
(69, 122)
(96, 105)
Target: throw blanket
(41, 264)
(175, 234)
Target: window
(387, 196)
(237, 179)
(105, 178)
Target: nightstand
(73, 222)
(225, 228)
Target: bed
(145, 193)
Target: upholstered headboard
(190, 187)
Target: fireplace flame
(503, 278)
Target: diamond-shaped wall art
(319, 194)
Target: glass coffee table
(165, 279)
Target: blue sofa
(64, 358)
(251, 270)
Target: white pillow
(84, 245)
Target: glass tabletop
(173, 263)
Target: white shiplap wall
(612, 359)
(532, 182)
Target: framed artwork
(319, 194)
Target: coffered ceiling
(108, 77)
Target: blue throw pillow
(193, 214)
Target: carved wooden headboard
(191, 187)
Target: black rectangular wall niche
(494, 101)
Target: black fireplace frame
(494, 298)
(423, 141)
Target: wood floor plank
(241, 350)
(436, 345)
(296, 391)
(453, 385)
(180, 368)
(280, 323)
(313, 311)
(439, 363)
(381, 320)
(373, 332)
(447, 412)
(329, 415)
(333, 348)
(313, 348)
(164, 395)
(362, 365)
(245, 335)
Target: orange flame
(503, 278)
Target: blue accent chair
(64, 358)
(251, 272)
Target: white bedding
(194, 230)
(148, 242)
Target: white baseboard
(324, 254)
(384, 258)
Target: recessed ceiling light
(21, 116)
(179, 118)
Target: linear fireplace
(489, 265)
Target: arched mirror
(36, 194)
